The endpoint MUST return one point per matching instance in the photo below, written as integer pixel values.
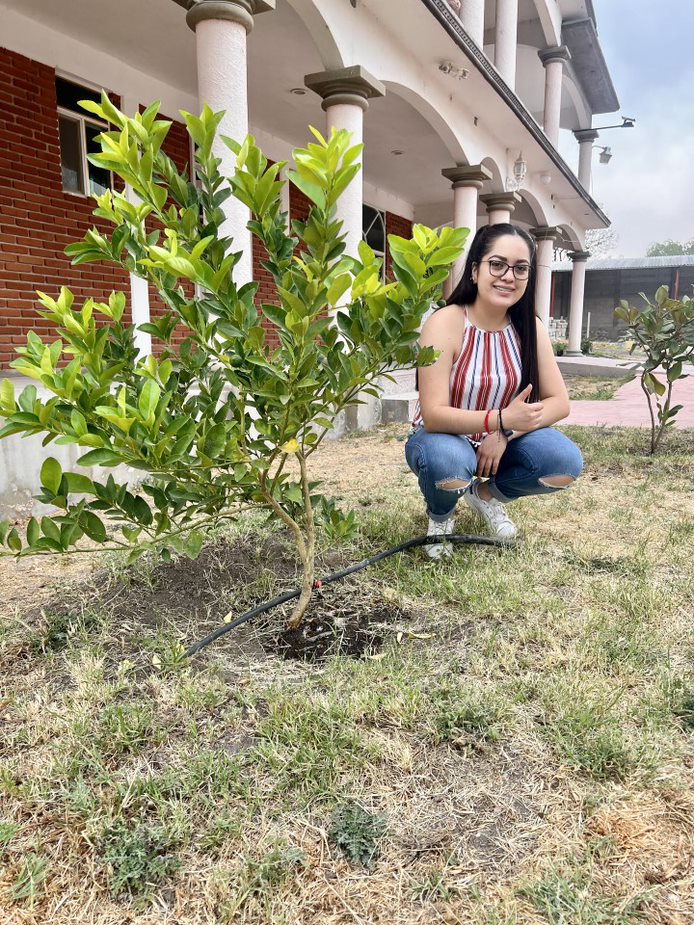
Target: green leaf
(79, 484)
(149, 398)
(50, 529)
(215, 440)
(194, 544)
(654, 386)
(93, 527)
(100, 457)
(7, 402)
(13, 540)
(51, 475)
(33, 531)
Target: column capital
(464, 175)
(240, 11)
(545, 233)
(586, 134)
(507, 201)
(578, 256)
(354, 85)
(554, 53)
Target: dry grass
(524, 730)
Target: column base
(573, 353)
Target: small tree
(213, 423)
(664, 330)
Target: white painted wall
(84, 63)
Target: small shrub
(664, 330)
(586, 346)
(136, 857)
(356, 833)
(559, 347)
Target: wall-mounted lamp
(520, 171)
(605, 155)
(447, 67)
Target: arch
(583, 113)
(498, 180)
(550, 20)
(535, 206)
(571, 238)
(432, 116)
(320, 31)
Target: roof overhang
(452, 24)
(590, 68)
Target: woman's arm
(444, 332)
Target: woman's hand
(489, 454)
(519, 415)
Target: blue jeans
(527, 461)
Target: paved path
(629, 407)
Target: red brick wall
(37, 219)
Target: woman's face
(497, 283)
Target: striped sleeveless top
(486, 373)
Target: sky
(647, 189)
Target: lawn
(503, 738)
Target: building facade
(608, 282)
(460, 106)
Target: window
(78, 130)
(373, 231)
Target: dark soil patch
(349, 619)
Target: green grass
(590, 388)
(455, 773)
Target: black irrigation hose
(336, 576)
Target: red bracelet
(486, 421)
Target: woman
(482, 426)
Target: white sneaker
(443, 529)
(493, 513)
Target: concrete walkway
(629, 408)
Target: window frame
(382, 254)
(83, 120)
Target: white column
(545, 238)
(467, 182)
(553, 59)
(221, 28)
(472, 18)
(578, 283)
(346, 93)
(349, 207)
(505, 40)
(500, 206)
(139, 287)
(585, 138)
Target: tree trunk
(307, 553)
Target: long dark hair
(522, 314)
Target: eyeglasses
(500, 267)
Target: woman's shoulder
(451, 317)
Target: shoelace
(496, 511)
